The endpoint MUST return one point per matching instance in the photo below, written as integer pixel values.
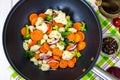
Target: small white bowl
(118, 42)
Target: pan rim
(7, 54)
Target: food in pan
(52, 40)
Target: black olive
(109, 45)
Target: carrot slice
(56, 58)
(77, 37)
(57, 52)
(54, 65)
(77, 25)
(49, 28)
(63, 63)
(43, 15)
(82, 35)
(32, 16)
(69, 46)
(60, 24)
(71, 63)
(74, 59)
(23, 31)
(37, 56)
(71, 36)
(36, 35)
(46, 46)
(42, 49)
(33, 21)
(32, 43)
(81, 45)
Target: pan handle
(103, 74)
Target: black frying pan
(79, 10)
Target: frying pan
(79, 10)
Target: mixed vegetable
(52, 40)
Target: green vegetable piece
(56, 27)
(39, 43)
(68, 18)
(69, 42)
(48, 18)
(69, 23)
(65, 34)
(76, 53)
(27, 35)
(62, 43)
(83, 28)
(29, 54)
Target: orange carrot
(82, 35)
(23, 31)
(71, 36)
(71, 63)
(63, 63)
(81, 45)
(33, 21)
(37, 56)
(60, 24)
(46, 46)
(77, 25)
(57, 52)
(74, 59)
(36, 35)
(42, 15)
(54, 65)
(56, 58)
(42, 49)
(33, 18)
(32, 43)
(49, 28)
(77, 37)
(69, 46)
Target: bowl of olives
(110, 45)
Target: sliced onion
(52, 61)
(44, 57)
(73, 47)
(55, 41)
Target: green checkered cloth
(103, 61)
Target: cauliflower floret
(61, 18)
(50, 40)
(72, 30)
(61, 29)
(43, 27)
(49, 11)
(35, 61)
(40, 62)
(61, 47)
(67, 55)
(52, 46)
(39, 21)
(34, 48)
(42, 41)
(45, 36)
(28, 41)
(31, 28)
(45, 67)
(55, 34)
(25, 46)
(44, 61)
(49, 53)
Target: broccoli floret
(29, 54)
